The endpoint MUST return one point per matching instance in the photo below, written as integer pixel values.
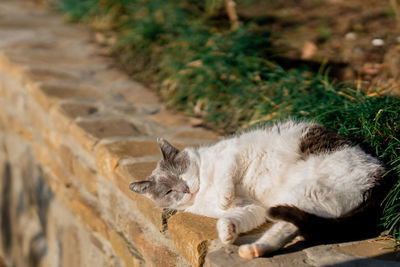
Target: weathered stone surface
(136, 93)
(70, 247)
(124, 250)
(48, 93)
(77, 109)
(224, 257)
(88, 215)
(145, 205)
(381, 249)
(89, 132)
(128, 173)
(109, 154)
(13, 124)
(168, 118)
(198, 134)
(85, 175)
(153, 253)
(136, 171)
(191, 234)
(43, 74)
(66, 157)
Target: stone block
(124, 250)
(71, 251)
(192, 235)
(169, 118)
(135, 171)
(88, 214)
(46, 158)
(49, 93)
(109, 154)
(85, 175)
(136, 93)
(43, 74)
(66, 157)
(154, 254)
(12, 124)
(380, 248)
(89, 132)
(145, 205)
(198, 134)
(74, 110)
(36, 116)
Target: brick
(109, 154)
(60, 122)
(169, 118)
(123, 249)
(49, 93)
(77, 109)
(372, 248)
(71, 251)
(64, 114)
(154, 254)
(46, 158)
(192, 234)
(136, 171)
(85, 175)
(145, 205)
(198, 134)
(135, 93)
(42, 74)
(13, 124)
(88, 214)
(89, 132)
(36, 116)
(66, 157)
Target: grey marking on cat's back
(318, 139)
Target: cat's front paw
(227, 231)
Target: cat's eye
(168, 192)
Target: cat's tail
(360, 223)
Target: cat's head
(175, 180)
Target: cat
(300, 176)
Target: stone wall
(74, 132)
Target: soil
(359, 39)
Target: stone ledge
(93, 131)
(192, 234)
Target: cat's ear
(168, 151)
(141, 187)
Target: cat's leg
(238, 220)
(273, 239)
(225, 174)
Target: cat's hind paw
(227, 231)
(250, 251)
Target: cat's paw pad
(250, 251)
(227, 200)
(227, 231)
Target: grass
(229, 77)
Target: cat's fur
(298, 175)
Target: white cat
(298, 175)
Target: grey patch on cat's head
(318, 139)
(164, 186)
